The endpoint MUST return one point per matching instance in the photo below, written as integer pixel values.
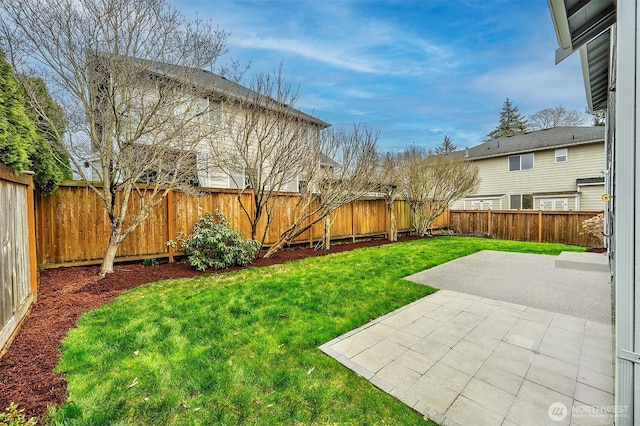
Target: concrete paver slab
(466, 359)
(526, 279)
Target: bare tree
(330, 184)
(263, 146)
(431, 183)
(555, 117)
(388, 178)
(130, 114)
(599, 118)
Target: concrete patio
(468, 359)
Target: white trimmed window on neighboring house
(521, 162)
(554, 204)
(521, 201)
(239, 180)
(482, 205)
(562, 155)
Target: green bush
(14, 416)
(150, 262)
(213, 244)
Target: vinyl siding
(547, 176)
(591, 197)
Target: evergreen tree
(17, 131)
(25, 141)
(511, 122)
(446, 147)
(49, 160)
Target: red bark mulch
(26, 369)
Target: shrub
(150, 262)
(14, 416)
(595, 228)
(213, 244)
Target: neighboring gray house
(553, 169)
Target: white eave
(578, 21)
(584, 25)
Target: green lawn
(241, 348)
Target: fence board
(525, 225)
(18, 280)
(72, 226)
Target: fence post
(353, 233)
(387, 223)
(171, 206)
(489, 222)
(31, 223)
(539, 226)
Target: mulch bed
(26, 369)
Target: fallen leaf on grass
(310, 370)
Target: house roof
(556, 137)
(220, 86)
(578, 21)
(595, 59)
(583, 25)
(325, 160)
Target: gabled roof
(556, 137)
(219, 86)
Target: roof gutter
(561, 24)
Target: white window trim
(533, 162)
(553, 201)
(471, 200)
(533, 202)
(566, 155)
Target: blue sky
(414, 70)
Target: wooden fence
(18, 273)
(524, 225)
(72, 227)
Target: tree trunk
(327, 233)
(393, 231)
(112, 248)
(275, 248)
(393, 227)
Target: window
(215, 111)
(239, 179)
(482, 205)
(522, 201)
(521, 162)
(555, 204)
(561, 155)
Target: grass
(241, 348)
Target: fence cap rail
(24, 178)
(530, 211)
